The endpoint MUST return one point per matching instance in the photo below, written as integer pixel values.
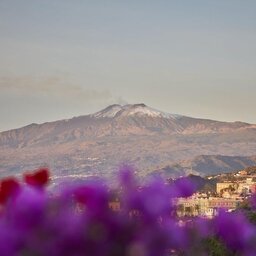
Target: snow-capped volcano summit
(132, 110)
(109, 111)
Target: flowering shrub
(79, 220)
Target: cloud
(52, 87)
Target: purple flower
(235, 230)
(78, 221)
(28, 207)
(183, 187)
(9, 239)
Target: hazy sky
(64, 58)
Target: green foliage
(248, 211)
(214, 247)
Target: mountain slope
(138, 134)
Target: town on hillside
(231, 190)
(220, 192)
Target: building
(220, 186)
(245, 187)
(205, 207)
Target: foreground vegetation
(78, 220)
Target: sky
(63, 58)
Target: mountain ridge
(119, 120)
(122, 107)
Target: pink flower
(8, 188)
(38, 178)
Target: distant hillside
(206, 165)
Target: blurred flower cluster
(80, 220)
